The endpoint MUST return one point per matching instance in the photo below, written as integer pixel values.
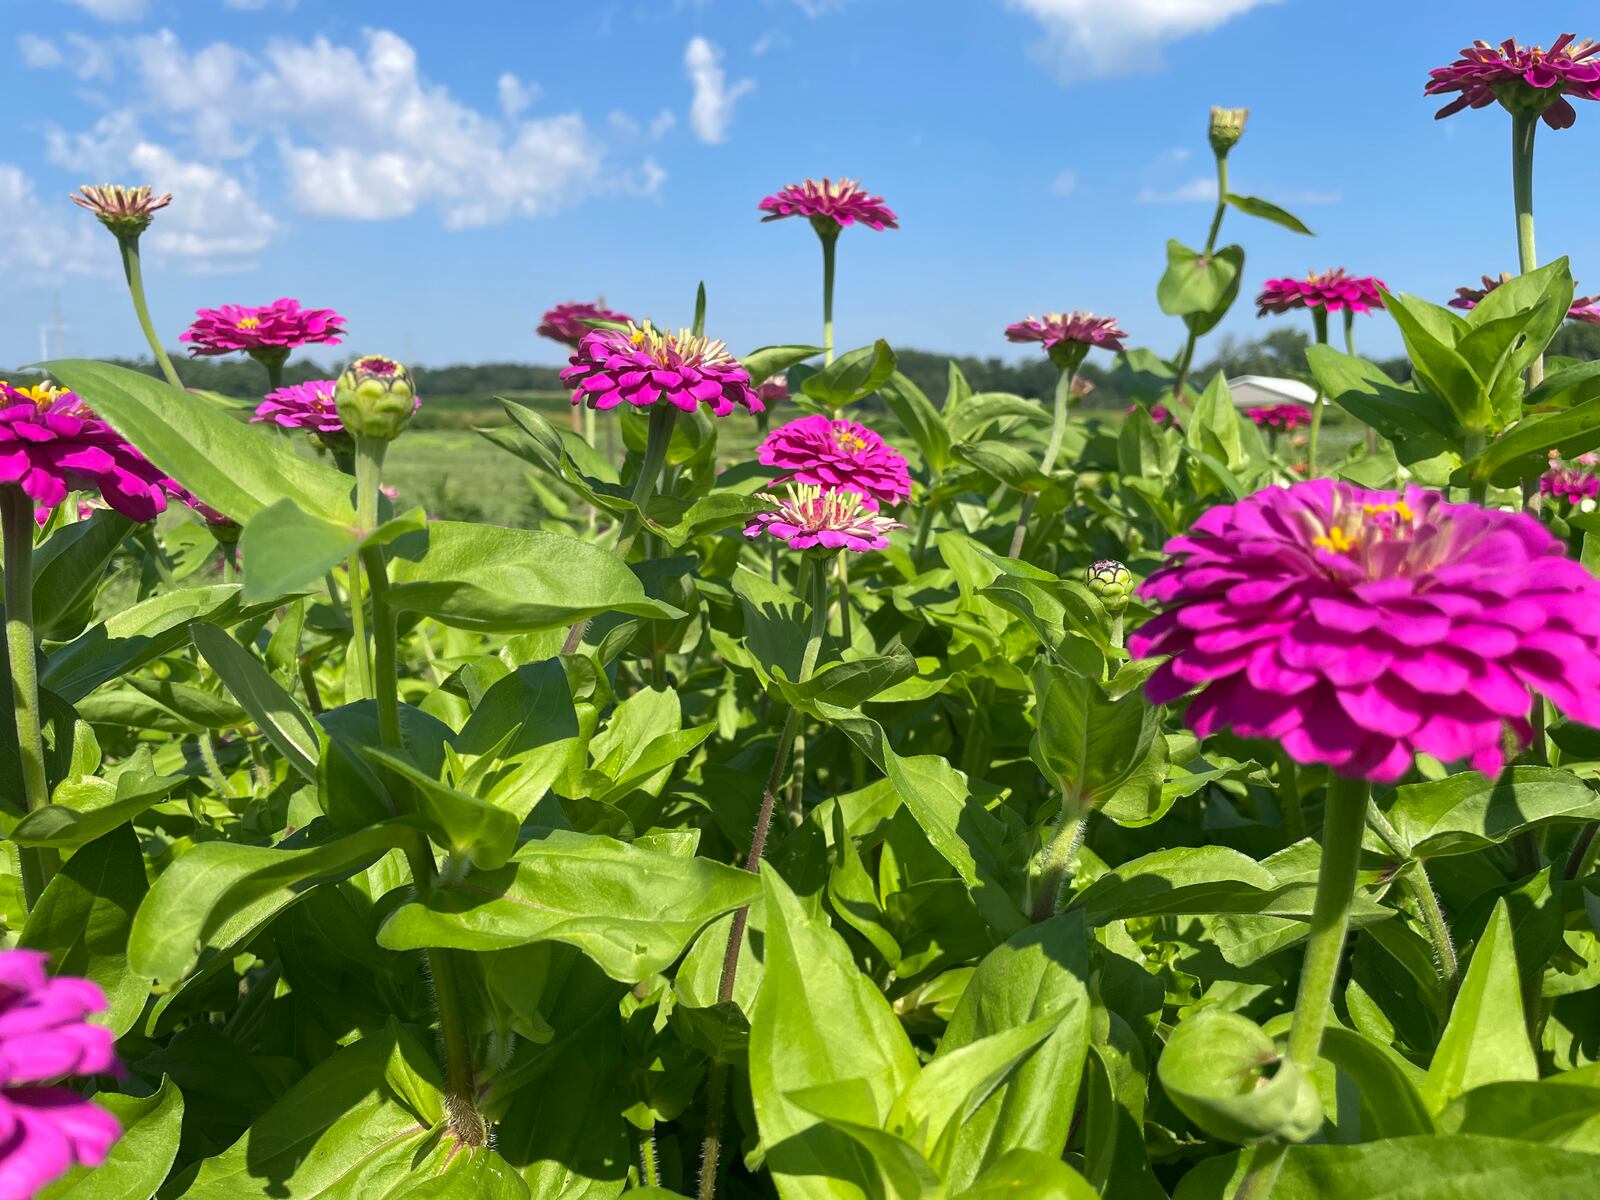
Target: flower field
(835, 791)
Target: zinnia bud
(1227, 127)
(375, 398)
(1112, 583)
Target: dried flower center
(682, 348)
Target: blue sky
(440, 173)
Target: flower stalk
(1319, 321)
(131, 270)
(1052, 450)
(1523, 127)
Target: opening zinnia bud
(126, 211)
(1227, 127)
(375, 398)
(1112, 584)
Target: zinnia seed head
(1227, 127)
(1360, 628)
(126, 211)
(813, 518)
(375, 398)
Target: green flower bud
(1227, 127)
(1112, 583)
(375, 398)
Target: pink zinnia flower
(1525, 79)
(812, 517)
(645, 366)
(1358, 628)
(1080, 328)
(843, 203)
(1280, 416)
(773, 389)
(1333, 290)
(1159, 413)
(565, 322)
(267, 332)
(51, 444)
(1573, 484)
(1584, 308)
(838, 454)
(43, 1036)
(306, 405)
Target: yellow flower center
(850, 441)
(1374, 522)
(249, 322)
(1335, 540)
(690, 348)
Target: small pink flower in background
(1359, 628)
(838, 454)
(44, 1035)
(1280, 416)
(773, 389)
(565, 322)
(1081, 328)
(1159, 413)
(811, 517)
(1571, 483)
(645, 366)
(1527, 79)
(301, 406)
(843, 203)
(271, 330)
(51, 444)
(1584, 308)
(1335, 291)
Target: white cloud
(661, 123)
(37, 51)
(773, 39)
(1088, 39)
(517, 96)
(711, 110)
(1200, 188)
(44, 240)
(1065, 183)
(112, 10)
(214, 224)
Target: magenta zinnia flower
(1054, 329)
(843, 203)
(1524, 79)
(1358, 628)
(43, 1036)
(1333, 290)
(812, 517)
(773, 389)
(1280, 416)
(838, 454)
(51, 444)
(1584, 308)
(306, 405)
(565, 322)
(645, 366)
(1570, 483)
(267, 332)
(1159, 413)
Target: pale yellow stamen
(1335, 540)
(249, 322)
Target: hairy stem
(135, 276)
(1427, 901)
(1186, 359)
(1064, 846)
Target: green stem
(208, 755)
(1052, 451)
(830, 242)
(924, 526)
(843, 570)
(1523, 128)
(1116, 630)
(1427, 901)
(38, 864)
(358, 628)
(717, 1082)
(1266, 1160)
(385, 666)
(1064, 846)
(1289, 790)
(1186, 359)
(135, 277)
(1344, 817)
(274, 373)
(1319, 319)
(657, 440)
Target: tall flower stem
(1523, 128)
(1064, 846)
(1344, 818)
(1319, 321)
(657, 440)
(830, 242)
(1186, 359)
(358, 628)
(717, 1081)
(1052, 450)
(466, 1122)
(135, 276)
(16, 519)
(844, 601)
(1426, 899)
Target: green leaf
(845, 1031)
(236, 468)
(631, 908)
(1385, 1080)
(980, 411)
(1563, 1110)
(534, 702)
(140, 1159)
(852, 376)
(1510, 327)
(1431, 334)
(1029, 1173)
(768, 361)
(83, 917)
(1464, 813)
(71, 564)
(493, 579)
(466, 826)
(774, 620)
(920, 418)
(1088, 743)
(1195, 285)
(1522, 452)
(1011, 464)
(1227, 1076)
(198, 894)
(1040, 971)
(1401, 414)
(679, 521)
(285, 548)
(1254, 206)
(851, 684)
(278, 715)
(1486, 1040)
(87, 807)
(1185, 879)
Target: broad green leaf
(236, 468)
(1029, 1173)
(678, 520)
(72, 563)
(1522, 452)
(844, 1031)
(534, 701)
(1510, 327)
(852, 376)
(1431, 334)
(82, 921)
(1387, 1083)
(774, 623)
(493, 579)
(285, 548)
(86, 807)
(1186, 879)
(851, 684)
(276, 713)
(1089, 744)
(1465, 813)
(1254, 206)
(1228, 1077)
(768, 361)
(1402, 414)
(921, 420)
(215, 881)
(142, 1156)
(1563, 1110)
(631, 908)
(466, 826)
(1486, 1040)
(1013, 465)
(1216, 427)
(982, 410)
(1194, 283)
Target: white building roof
(1259, 391)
